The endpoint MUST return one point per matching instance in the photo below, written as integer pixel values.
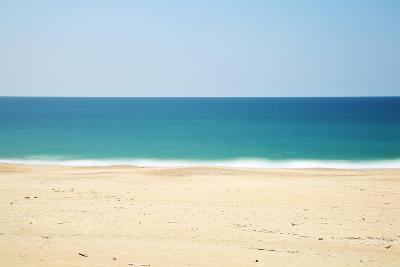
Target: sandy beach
(132, 216)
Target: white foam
(243, 163)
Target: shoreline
(198, 216)
(233, 163)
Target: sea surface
(247, 132)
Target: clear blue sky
(200, 48)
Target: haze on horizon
(199, 48)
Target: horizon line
(49, 96)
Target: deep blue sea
(264, 132)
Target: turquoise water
(252, 130)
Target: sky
(200, 48)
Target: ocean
(247, 132)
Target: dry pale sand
(116, 216)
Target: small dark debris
(388, 247)
(83, 254)
(114, 258)
(256, 260)
(353, 238)
(320, 238)
(27, 197)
